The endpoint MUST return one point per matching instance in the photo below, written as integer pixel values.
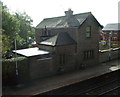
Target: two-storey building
(73, 39)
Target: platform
(57, 81)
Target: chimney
(68, 13)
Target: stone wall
(43, 67)
(47, 65)
(9, 71)
(40, 67)
(104, 56)
(88, 43)
(69, 58)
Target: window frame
(62, 58)
(88, 54)
(88, 32)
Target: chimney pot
(69, 12)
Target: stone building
(73, 39)
(65, 43)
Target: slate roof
(112, 26)
(60, 39)
(61, 22)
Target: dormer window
(45, 32)
(88, 31)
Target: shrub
(9, 69)
(14, 59)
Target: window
(62, 59)
(89, 54)
(88, 31)
(45, 32)
(49, 33)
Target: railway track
(115, 91)
(110, 90)
(94, 89)
(101, 85)
(102, 89)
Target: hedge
(9, 69)
(14, 59)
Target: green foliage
(27, 33)
(14, 59)
(17, 26)
(0, 42)
(9, 69)
(10, 26)
(6, 44)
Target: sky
(105, 11)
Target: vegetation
(9, 70)
(14, 59)
(26, 32)
(10, 26)
(15, 26)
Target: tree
(6, 44)
(27, 32)
(10, 26)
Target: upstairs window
(88, 31)
(45, 32)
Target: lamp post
(110, 36)
(16, 55)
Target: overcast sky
(105, 11)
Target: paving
(57, 81)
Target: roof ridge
(64, 16)
(54, 21)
